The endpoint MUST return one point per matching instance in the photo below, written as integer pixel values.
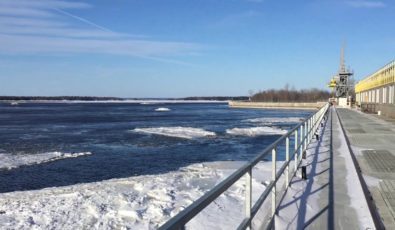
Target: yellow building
(378, 88)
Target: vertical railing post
(296, 150)
(287, 160)
(308, 132)
(314, 124)
(248, 195)
(301, 143)
(310, 129)
(305, 135)
(274, 179)
(315, 120)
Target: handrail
(307, 129)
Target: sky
(179, 48)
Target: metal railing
(301, 134)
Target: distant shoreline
(93, 99)
(146, 102)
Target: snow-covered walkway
(331, 197)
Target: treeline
(217, 98)
(56, 98)
(287, 95)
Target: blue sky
(177, 48)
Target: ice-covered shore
(141, 202)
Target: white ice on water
(9, 161)
(256, 131)
(162, 109)
(178, 131)
(140, 202)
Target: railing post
(296, 150)
(301, 142)
(305, 135)
(248, 195)
(274, 179)
(308, 132)
(310, 129)
(287, 160)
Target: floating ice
(181, 132)
(9, 161)
(256, 131)
(162, 109)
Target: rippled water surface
(115, 140)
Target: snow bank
(141, 202)
(270, 120)
(162, 109)
(180, 132)
(256, 131)
(9, 161)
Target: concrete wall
(386, 110)
(277, 105)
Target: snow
(354, 189)
(9, 161)
(270, 120)
(141, 202)
(178, 131)
(256, 131)
(162, 109)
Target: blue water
(106, 130)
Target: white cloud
(44, 27)
(17, 44)
(366, 4)
(43, 4)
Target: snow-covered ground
(9, 161)
(141, 202)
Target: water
(114, 134)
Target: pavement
(373, 142)
(332, 196)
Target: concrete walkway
(331, 197)
(373, 142)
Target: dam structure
(376, 93)
(339, 171)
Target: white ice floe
(162, 109)
(256, 131)
(9, 161)
(141, 202)
(181, 132)
(270, 120)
